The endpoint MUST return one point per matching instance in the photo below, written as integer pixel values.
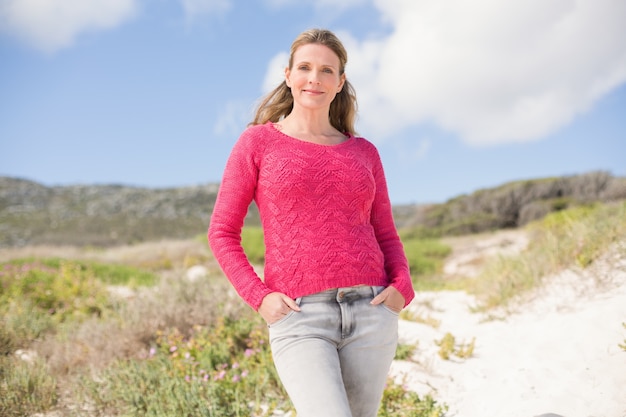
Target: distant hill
(105, 215)
(510, 205)
(100, 215)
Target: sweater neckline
(350, 138)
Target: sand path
(557, 354)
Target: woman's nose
(313, 79)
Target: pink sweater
(325, 213)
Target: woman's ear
(342, 81)
(287, 75)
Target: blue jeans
(334, 355)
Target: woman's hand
(391, 298)
(275, 306)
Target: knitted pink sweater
(325, 213)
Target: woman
(336, 275)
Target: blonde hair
(279, 102)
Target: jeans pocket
(286, 316)
(282, 319)
(390, 310)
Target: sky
(457, 95)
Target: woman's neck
(311, 127)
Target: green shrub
(121, 274)
(574, 237)
(20, 324)
(425, 256)
(449, 347)
(25, 388)
(62, 289)
(581, 234)
(37, 295)
(253, 244)
(216, 371)
(405, 351)
(400, 402)
(561, 203)
(111, 274)
(223, 370)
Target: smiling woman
(314, 82)
(312, 62)
(336, 275)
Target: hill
(511, 205)
(106, 215)
(99, 215)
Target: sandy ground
(557, 354)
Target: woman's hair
(279, 103)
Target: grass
(404, 352)
(449, 347)
(176, 348)
(399, 402)
(426, 257)
(410, 315)
(573, 238)
(253, 244)
(25, 389)
(213, 371)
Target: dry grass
(72, 348)
(83, 358)
(579, 238)
(155, 256)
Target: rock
(197, 272)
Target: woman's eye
(328, 70)
(303, 67)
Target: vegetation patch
(60, 289)
(404, 352)
(182, 348)
(448, 347)
(426, 257)
(253, 244)
(25, 388)
(409, 315)
(399, 402)
(194, 348)
(220, 370)
(569, 238)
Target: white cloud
(407, 153)
(496, 71)
(327, 6)
(422, 150)
(492, 71)
(51, 25)
(235, 115)
(194, 8)
(275, 71)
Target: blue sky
(457, 95)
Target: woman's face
(314, 77)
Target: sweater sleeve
(396, 264)
(234, 197)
